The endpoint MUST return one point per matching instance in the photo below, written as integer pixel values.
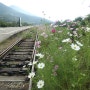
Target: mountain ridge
(8, 14)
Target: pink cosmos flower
(38, 44)
(53, 30)
(56, 67)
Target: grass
(65, 68)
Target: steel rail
(32, 70)
(7, 49)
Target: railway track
(14, 67)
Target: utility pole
(20, 22)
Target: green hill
(8, 14)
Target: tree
(78, 19)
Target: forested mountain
(8, 14)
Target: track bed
(14, 67)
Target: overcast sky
(55, 9)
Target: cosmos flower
(40, 55)
(35, 62)
(74, 58)
(71, 28)
(59, 31)
(56, 67)
(31, 63)
(75, 47)
(41, 65)
(75, 33)
(66, 40)
(37, 44)
(79, 43)
(87, 29)
(40, 83)
(53, 30)
(31, 75)
(42, 34)
(69, 34)
(55, 26)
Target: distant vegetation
(12, 24)
(79, 20)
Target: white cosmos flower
(69, 34)
(87, 29)
(41, 65)
(75, 47)
(74, 58)
(79, 43)
(55, 26)
(35, 62)
(31, 63)
(40, 83)
(75, 33)
(66, 40)
(40, 55)
(31, 75)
